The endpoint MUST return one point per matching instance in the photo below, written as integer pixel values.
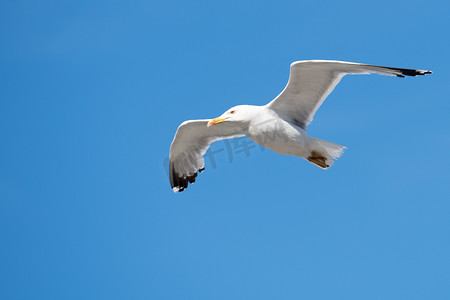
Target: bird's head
(240, 113)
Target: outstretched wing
(190, 143)
(311, 81)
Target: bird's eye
(232, 112)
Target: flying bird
(279, 125)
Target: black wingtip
(410, 72)
(178, 182)
(401, 72)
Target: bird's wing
(190, 143)
(311, 81)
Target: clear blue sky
(92, 93)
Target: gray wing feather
(190, 143)
(310, 82)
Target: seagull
(279, 125)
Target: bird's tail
(323, 153)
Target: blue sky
(92, 93)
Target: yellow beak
(216, 121)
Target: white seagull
(279, 125)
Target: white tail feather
(324, 153)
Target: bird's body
(279, 125)
(270, 130)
